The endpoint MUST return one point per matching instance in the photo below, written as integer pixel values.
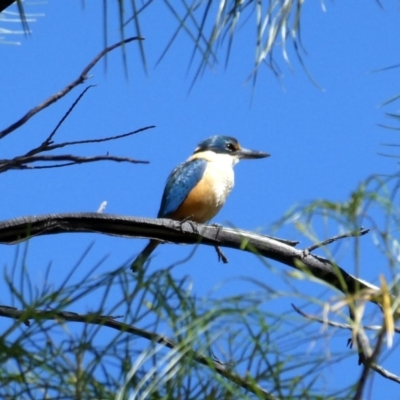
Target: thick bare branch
(110, 322)
(52, 99)
(19, 229)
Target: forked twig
(52, 99)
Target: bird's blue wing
(179, 184)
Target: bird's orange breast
(208, 196)
(201, 204)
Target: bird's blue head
(228, 145)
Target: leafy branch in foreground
(25, 316)
(212, 26)
(275, 22)
(75, 354)
(372, 202)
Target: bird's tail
(144, 255)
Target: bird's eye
(231, 147)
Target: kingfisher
(197, 189)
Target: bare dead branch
(52, 99)
(110, 322)
(20, 229)
(27, 160)
(23, 163)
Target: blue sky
(323, 142)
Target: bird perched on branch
(197, 189)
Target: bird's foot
(219, 229)
(221, 256)
(186, 219)
(192, 224)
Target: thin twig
(338, 324)
(99, 140)
(359, 232)
(45, 146)
(23, 163)
(52, 99)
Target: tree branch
(338, 324)
(52, 146)
(46, 145)
(20, 229)
(368, 358)
(67, 159)
(5, 4)
(52, 99)
(34, 155)
(110, 322)
(359, 232)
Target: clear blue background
(323, 142)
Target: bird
(197, 189)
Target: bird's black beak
(251, 154)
